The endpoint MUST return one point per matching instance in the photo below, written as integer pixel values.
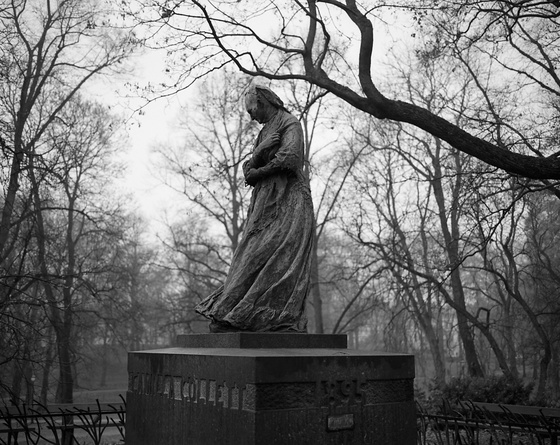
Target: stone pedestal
(268, 389)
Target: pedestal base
(260, 393)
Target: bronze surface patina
(268, 281)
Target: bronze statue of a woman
(268, 281)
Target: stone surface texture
(264, 340)
(254, 395)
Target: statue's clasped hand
(252, 177)
(270, 141)
(260, 155)
(261, 151)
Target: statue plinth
(269, 388)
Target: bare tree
(218, 33)
(49, 51)
(518, 263)
(196, 262)
(542, 280)
(66, 176)
(206, 167)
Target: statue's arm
(253, 161)
(247, 165)
(289, 156)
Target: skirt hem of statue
(253, 324)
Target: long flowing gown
(268, 281)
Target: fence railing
(465, 423)
(74, 424)
(475, 423)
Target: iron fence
(471, 423)
(63, 424)
(462, 423)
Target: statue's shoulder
(289, 119)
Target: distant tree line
(73, 271)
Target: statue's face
(254, 108)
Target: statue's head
(262, 103)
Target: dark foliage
(495, 389)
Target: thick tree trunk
(554, 384)
(316, 300)
(17, 379)
(438, 358)
(449, 221)
(9, 202)
(104, 362)
(49, 360)
(13, 183)
(60, 314)
(509, 338)
(543, 374)
(65, 388)
(473, 364)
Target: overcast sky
(155, 125)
